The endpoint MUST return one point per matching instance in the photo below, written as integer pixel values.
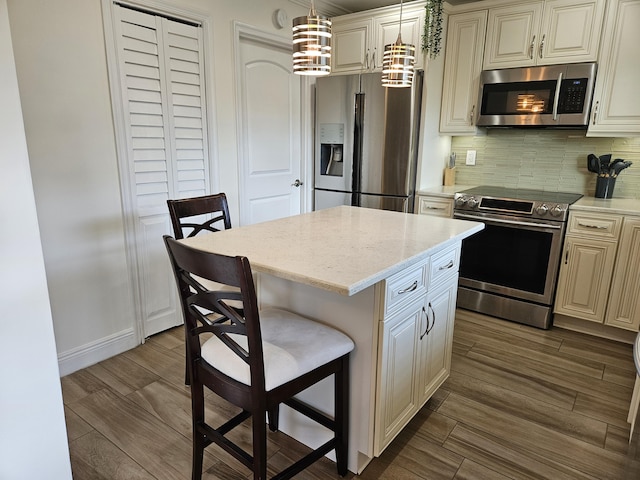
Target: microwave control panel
(572, 95)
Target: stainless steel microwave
(549, 96)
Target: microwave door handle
(556, 97)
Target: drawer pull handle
(410, 288)
(447, 266)
(590, 225)
(429, 207)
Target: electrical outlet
(471, 157)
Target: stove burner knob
(460, 201)
(557, 211)
(472, 203)
(542, 209)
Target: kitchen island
(386, 279)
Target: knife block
(449, 177)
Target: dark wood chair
(254, 359)
(184, 212)
(191, 216)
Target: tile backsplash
(554, 160)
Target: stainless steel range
(509, 269)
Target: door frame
(242, 31)
(127, 188)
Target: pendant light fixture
(312, 44)
(398, 61)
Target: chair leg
(342, 416)
(199, 438)
(274, 418)
(259, 446)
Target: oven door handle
(509, 222)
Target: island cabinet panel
(436, 339)
(415, 348)
(397, 372)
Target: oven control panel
(507, 206)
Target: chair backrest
(183, 210)
(190, 265)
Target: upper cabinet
(352, 49)
(615, 109)
(543, 33)
(359, 39)
(462, 67)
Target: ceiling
(347, 6)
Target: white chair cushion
(292, 346)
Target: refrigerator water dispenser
(331, 149)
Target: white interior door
(270, 153)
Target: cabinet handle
(373, 60)
(533, 41)
(430, 207)
(541, 45)
(590, 225)
(447, 266)
(473, 110)
(426, 330)
(595, 112)
(433, 324)
(410, 288)
(566, 257)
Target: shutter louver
(161, 66)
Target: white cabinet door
(512, 35)
(386, 29)
(571, 31)
(397, 372)
(585, 277)
(463, 64)
(615, 109)
(543, 33)
(436, 339)
(624, 302)
(351, 45)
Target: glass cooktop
(524, 194)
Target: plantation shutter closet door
(162, 83)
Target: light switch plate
(471, 157)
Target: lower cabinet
(415, 349)
(599, 278)
(435, 206)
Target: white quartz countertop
(620, 206)
(342, 249)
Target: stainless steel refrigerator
(366, 143)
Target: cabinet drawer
(444, 264)
(439, 207)
(595, 225)
(404, 287)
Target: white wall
(62, 75)
(33, 437)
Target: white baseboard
(94, 352)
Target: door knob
(297, 183)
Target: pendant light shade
(312, 44)
(398, 61)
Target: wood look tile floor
(521, 403)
